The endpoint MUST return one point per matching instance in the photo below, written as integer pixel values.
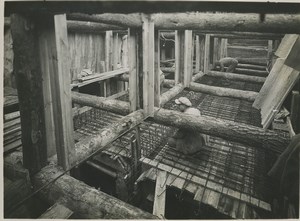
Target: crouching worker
(230, 63)
(188, 141)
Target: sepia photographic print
(150, 110)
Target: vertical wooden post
(148, 65)
(108, 60)
(207, 53)
(202, 52)
(47, 50)
(295, 111)
(183, 57)
(157, 70)
(116, 60)
(64, 122)
(223, 48)
(215, 49)
(188, 57)
(30, 92)
(197, 56)
(133, 73)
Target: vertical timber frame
(148, 51)
(30, 92)
(62, 89)
(183, 57)
(157, 71)
(206, 54)
(197, 53)
(108, 61)
(223, 48)
(133, 69)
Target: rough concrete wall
(9, 80)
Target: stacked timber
(12, 131)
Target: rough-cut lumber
(248, 35)
(226, 92)
(250, 72)
(251, 66)
(170, 83)
(208, 125)
(133, 70)
(157, 71)
(47, 48)
(115, 106)
(57, 211)
(206, 55)
(63, 104)
(168, 95)
(88, 202)
(254, 61)
(12, 116)
(237, 77)
(160, 194)
(228, 130)
(27, 68)
(148, 52)
(250, 22)
(90, 27)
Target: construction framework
(54, 132)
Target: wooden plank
(13, 145)
(237, 77)
(160, 194)
(293, 57)
(63, 113)
(57, 211)
(133, 70)
(157, 71)
(27, 68)
(108, 60)
(11, 116)
(295, 111)
(286, 45)
(188, 59)
(47, 50)
(178, 57)
(148, 65)
(223, 48)
(206, 65)
(285, 80)
(197, 55)
(270, 81)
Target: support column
(206, 53)
(30, 92)
(148, 65)
(133, 73)
(197, 55)
(183, 57)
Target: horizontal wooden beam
(244, 35)
(86, 201)
(92, 27)
(224, 92)
(247, 22)
(237, 77)
(99, 77)
(116, 106)
(168, 95)
(243, 133)
(239, 132)
(250, 72)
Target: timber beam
(84, 200)
(116, 106)
(93, 27)
(238, 132)
(247, 22)
(168, 95)
(237, 77)
(224, 92)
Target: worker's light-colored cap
(183, 100)
(192, 111)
